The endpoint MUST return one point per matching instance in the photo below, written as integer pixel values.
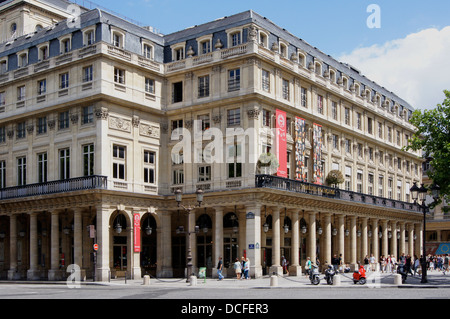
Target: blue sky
(336, 27)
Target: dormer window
(318, 68)
(3, 66)
(13, 29)
(147, 51)
(22, 59)
(89, 36)
(235, 39)
(263, 39)
(204, 44)
(283, 50)
(178, 53)
(43, 52)
(65, 45)
(118, 38)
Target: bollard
(274, 281)
(193, 281)
(337, 280)
(397, 279)
(146, 280)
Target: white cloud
(416, 68)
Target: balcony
(274, 182)
(55, 187)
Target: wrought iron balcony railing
(269, 181)
(53, 187)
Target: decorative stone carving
(218, 45)
(164, 128)
(253, 114)
(102, 113)
(74, 118)
(252, 34)
(30, 129)
(275, 47)
(188, 124)
(51, 124)
(120, 124)
(10, 134)
(190, 52)
(136, 121)
(217, 119)
(149, 130)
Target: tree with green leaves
(433, 137)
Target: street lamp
(420, 194)
(188, 210)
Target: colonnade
(325, 235)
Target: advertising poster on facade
(317, 154)
(137, 232)
(281, 143)
(300, 138)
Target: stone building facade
(95, 118)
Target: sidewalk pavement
(436, 279)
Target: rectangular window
(334, 110)
(64, 80)
(119, 76)
(285, 89)
(235, 39)
(204, 122)
(42, 87)
(320, 104)
(63, 120)
(119, 162)
(21, 93)
(178, 176)
(206, 47)
(64, 164)
(90, 38)
(380, 186)
(234, 80)
(2, 134)
(234, 117)
(148, 52)
(266, 118)
(177, 124)
(204, 173)
(234, 159)
(21, 171)
(2, 98)
(87, 73)
(304, 97)
(370, 126)
(21, 131)
(203, 86)
(2, 174)
(149, 86)
(87, 114)
(88, 160)
(149, 167)
(347, 116)
(42, 125)
(359, 121)
(42, 168)
(177, 92)
(266, 80)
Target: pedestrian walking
(308, 266)
(372, 261)
(247, 268)
(219, 268)
(445, 265)
(242, 267)
(366, 263)
(237, 268)
(284, 264)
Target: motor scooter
(329, 274)
(401, 270)
(359, 276)
(314, 275)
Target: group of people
(241, 268)
(438, 262)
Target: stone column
(385, 238)
(411, 240)
(312, 237)
(218, 240)
(419, 240)
(54, 273)
(364, 239)
(33, 272)
(353, 245)
(402, 244)
(12, 272)
(341, 237)
(276, 265)
(164, 242)
(375, 248)
(103, 217)
(294, 268)
(327, 239)
(253, 239)
(78, 241)
(394, 240)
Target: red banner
(281, 143)
(137, 232)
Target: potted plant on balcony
(267, 164)
(334, 178)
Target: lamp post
(188, 210)
(420, 194)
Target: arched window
(13, 29)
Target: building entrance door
(120, 255)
